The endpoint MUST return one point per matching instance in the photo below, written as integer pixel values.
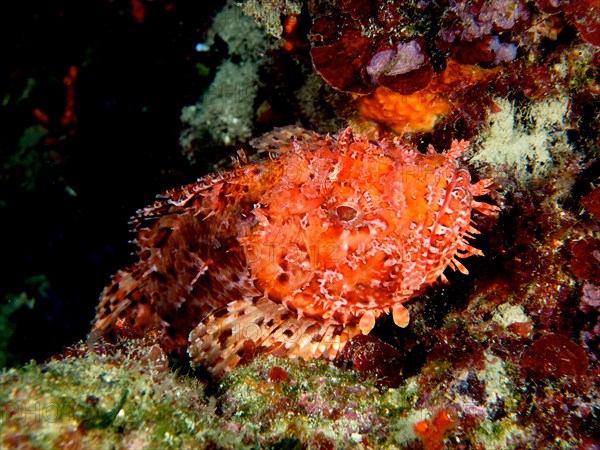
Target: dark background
(65, 201)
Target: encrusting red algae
(295, 254)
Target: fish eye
(348, 213)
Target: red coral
(356, 8)
(70, 116)
(138, 11)
(591, 202)
(585, 259)
(473, 52)
(342, 63)
(554, 355)
(523, 329)
(455, 93)
(410, 82)
(278, 374)
(342, 54)
(372, 357)
(585, 15)
(432, 431)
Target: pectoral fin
(245, 327)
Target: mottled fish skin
(297, 253)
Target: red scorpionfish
(295, 254)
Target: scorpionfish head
(353, 228)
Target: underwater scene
(300, 224)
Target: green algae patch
(105, 402)
(126, 395)
(123, 399)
